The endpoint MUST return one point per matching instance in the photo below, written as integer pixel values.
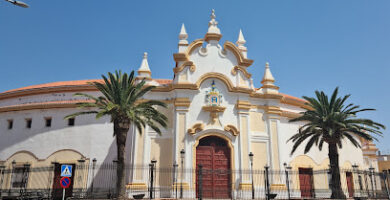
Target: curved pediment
(228, 46)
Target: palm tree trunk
(120, 130)
(337, 191)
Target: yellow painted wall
(275, 146)
(383, 165)
(182, 132)
(259, 150)
(244, 147)
(257, 122)
(41, 177)
(162, 151)
(140, 155)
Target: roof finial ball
(144, 70)
(213, 24)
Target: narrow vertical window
(48, 121)
(10, 123)
(71, 121)
(28, 122)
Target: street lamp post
(152, 165)
(18, 3)
(175, 166)
(182, 155)
(286, 169)
(372, 176)
(253, 187)
(356, 173)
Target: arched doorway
(213, 153)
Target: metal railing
(98, 181)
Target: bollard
(200, 189)
(267, 182)
(288, 185)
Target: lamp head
(182, 153)
(251, 156)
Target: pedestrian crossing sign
(66, 170)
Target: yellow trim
(194, 44)
(186, 186)
(273, 110)
(183, 102)
(270, 86)
(245, 186)
(180, 57)
(240, 58)
(242, 69)
(137, 186)
(245, 105)
(214, 113)
(232, 129)
(196, 128)
(185, 64)
(212, 36)
(278, 187)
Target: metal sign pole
(63, 194)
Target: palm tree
(331, 121)
(121, 101)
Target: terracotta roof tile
(293, 98)
(72, 83)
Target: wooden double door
(214, 156)
(306, 182)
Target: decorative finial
(213, 24)
(144, 70)
(268, 82)
(241, 40)
(183, 33)
(213, 14)
(240, 44)
(183, 36)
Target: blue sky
(310, 44)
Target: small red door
(306, 182)
(349, 178)
(214, 156)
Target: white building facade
(216, 116)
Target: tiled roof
(72, 83)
